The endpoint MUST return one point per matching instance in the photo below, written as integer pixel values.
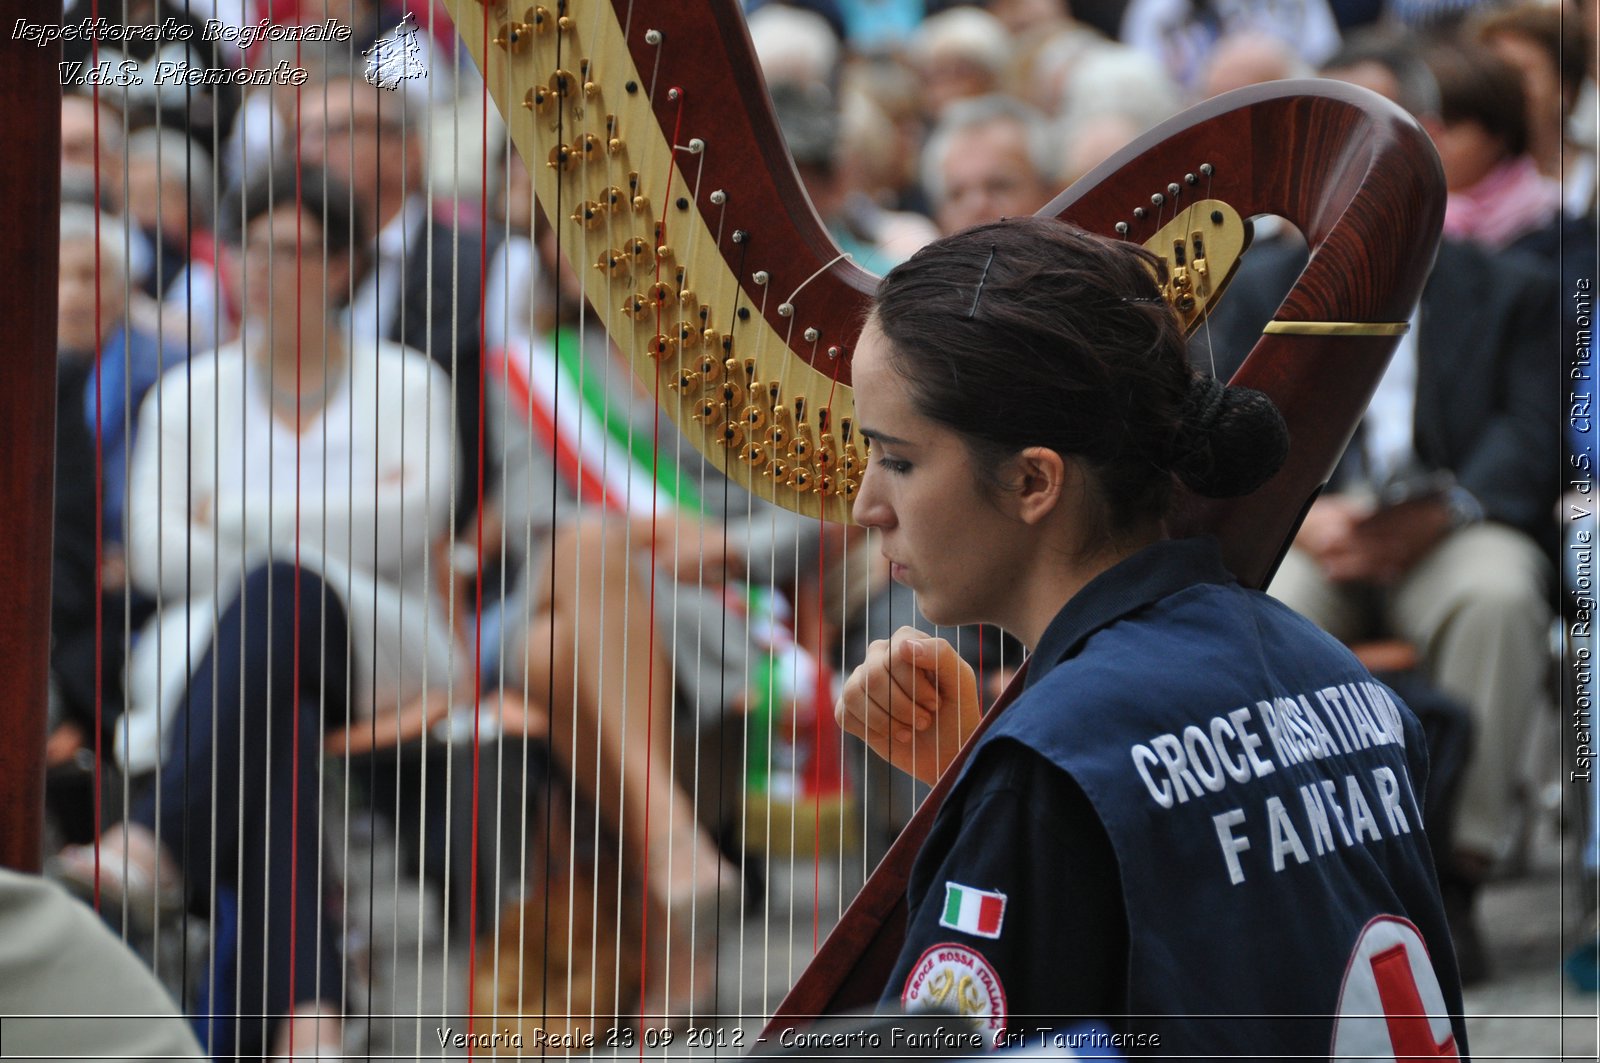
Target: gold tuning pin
(710, 368)
(827, 456)
(754, 417)
(662, 347)
(753, 454)
(563, 157)
(731, 435)
(777, 469)
(539, 19)
(778, 434)
(685, 381)
(612, 199)
(688, 336)
(538, 100)
(799, 479)
(513, 37)
(563, 84)
(637, 250)
(589, 147)
(709, 411)
(613, 263)
(686, 299)
(849, 488)
(590, 214)
(732, 393)
(635, 306)
(660, 293)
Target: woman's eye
(899, 468)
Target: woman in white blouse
(285, 492)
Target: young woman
(1199, 822)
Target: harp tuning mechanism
(590, 214)
(564, 157)
(538, 19)
(538, 100)
(663, 347)
(710, 368)
(1197, 254)
(754, 454)
(513, 37)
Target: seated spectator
(875, 237)
(1549, 49)
(252, 514)
(1117, 82)
(170, 197)
(987, 159)
(107, 363)
(416, 276)
(1497, 196)
(962, 53)
(1250, 58)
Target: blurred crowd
(211, 238)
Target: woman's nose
(870, 509)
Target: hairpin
(983, 279)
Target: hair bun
(1231, 442)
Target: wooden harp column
(30, 91)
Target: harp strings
(314, 537)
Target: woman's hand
(913, 700)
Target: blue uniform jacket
(1199, 824)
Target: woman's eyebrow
(883, 437)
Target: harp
(654, 152)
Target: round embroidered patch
(953, 978)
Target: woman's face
(285, 277)
(942, 531)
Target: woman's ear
(1040, 480)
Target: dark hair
(1553, 31)
(1030, 332)
(322, 196)
(1475, 85)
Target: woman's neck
(1053, 584)
(303, 374)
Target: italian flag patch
(973, 911)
